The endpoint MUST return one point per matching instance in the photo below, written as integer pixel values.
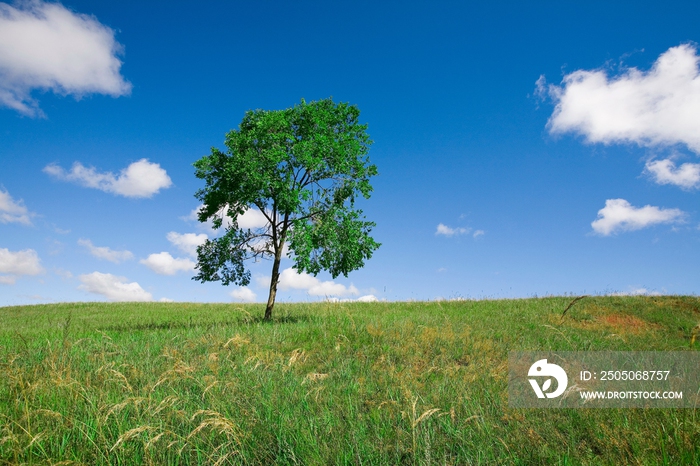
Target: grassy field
(329, 383)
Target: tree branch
(262, 209)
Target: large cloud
(165, 264)
(103, 252)
(12, 211)
(659, 107)
(291, 279)
(13, 264)
(113, 288)
(46, 46)
(140, 179)
(618, 215)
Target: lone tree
(302, 168)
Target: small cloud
(138, 180)
(12, 211)
(103, 252)
(636, 292)
(441, 269)
(187, 242)
(165, 264)
(291, 279)
(541, 91)
(447, 231)
(113, 288)
(165, 300)
(18, 263)
(48, 47)
(362, 299)
(370, 298)
(618, 215)
(244, 294)
(478, 233)
(687, 176)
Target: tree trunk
(273, 287)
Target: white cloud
(659, 107)
(46, 46)
(290, 279)
(244, 294)
(447, 231)
(252, 219)
(12, 211)
(187, 242)
(619, 215)
(444, 230)
(140, 179)
(192, 216)
(113, 288)
(24, 262)
(636, 292)
(165, 264)
(687, 176)
(166, 300)
(370, 298)
(103, 252)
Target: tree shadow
(192, 324)
(286, 319)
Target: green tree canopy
(302, 168)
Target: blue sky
(523, 150)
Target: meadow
(325, 383)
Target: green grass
(329, 383)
